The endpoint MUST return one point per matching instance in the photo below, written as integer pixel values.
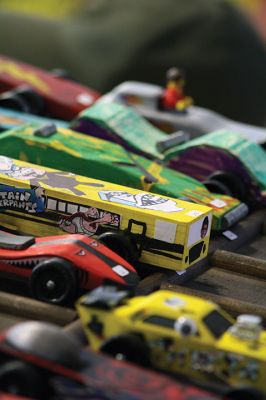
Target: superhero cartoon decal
(89, 221)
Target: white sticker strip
(218, 203)
(194, 213)
(230, 235)
(119, 270)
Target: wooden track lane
(15, 308)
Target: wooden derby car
(96, 158)
(228, 163)
(180, 334)
(41, 361)
(146, 98)
(57, 267)
(62, 98)
(140, 226)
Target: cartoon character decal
(89, 221)
(37, 176)
(140, 200)
(29, 200)
(9, 168)
(66, 180)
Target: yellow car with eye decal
(178, 333)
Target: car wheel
(54, 281)
(20, 378)
(129, 348)
(215, 186)
(23, 98)
(229, 183)
(120, 244)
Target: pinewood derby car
(99, 159)
(59, 267)
(142, 227)
(225, 160)
(123, 125)
(180, 334)
(118, 123)
(147, 99)
(62, 97)
(40, 361)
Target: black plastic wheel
(20, 378)
(23, 98)
(128, 347)
(229, 183)
(120, 244)
(54, 281)
(215, 186)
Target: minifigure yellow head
(175, 77)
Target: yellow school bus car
(153, 229)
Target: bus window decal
(140, 200)
(51, 204)
(88, 222)
(62, 206)
(72, 208)
(83, 209)
(165, 231)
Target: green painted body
(252, 155)
(100, 159)
(129, 126)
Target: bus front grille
(195, 251)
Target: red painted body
(105, 377)
(93, 260)
(64, 98)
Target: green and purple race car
(96, 158)
(225, 160)
(121, 124)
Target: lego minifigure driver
(174, 97)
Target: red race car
(41, 361)
(63, 98)
(58, 266)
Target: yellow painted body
(222, 357)
(168, 233)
